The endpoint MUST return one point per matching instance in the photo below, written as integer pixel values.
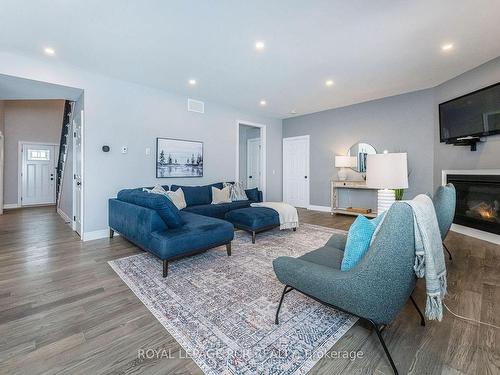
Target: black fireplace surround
(478, 201)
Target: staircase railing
(63, 148)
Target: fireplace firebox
(478, 201)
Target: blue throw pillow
(252, 194)
(160, 203)
(358, 242)
(196, 195)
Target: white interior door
(77, 173)
(296, 171)
(253, 163)
(38, 174)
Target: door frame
(20, 167)
(82, 165)
(308, 139)
(251, 140)
(263, 152)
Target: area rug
(221, 309)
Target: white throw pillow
(177, 198)
(221, 195)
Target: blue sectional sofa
(153, 223)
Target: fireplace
(478, 201)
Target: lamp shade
(345, 161)
(387, 171)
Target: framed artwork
(178, 158)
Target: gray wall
(399, 123)
(454, 157)
(31, 121)
(246, 133)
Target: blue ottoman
(253, 219)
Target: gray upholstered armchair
(376, 289)
(444, 204)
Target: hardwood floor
(64, 310)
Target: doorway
(251, 155)
(38, 168)
(296, 171)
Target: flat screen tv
(473, 115)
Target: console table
(335, 185)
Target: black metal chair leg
(422, 319)
(448, 251)
(285, 291)
(379, 335)
(165, 268)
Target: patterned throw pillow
(221, 195)
(238, 192)
(158, 189)
(177, 198)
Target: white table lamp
(386, 172)
(344, 162)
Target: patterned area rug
(221, 309)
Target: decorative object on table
(178, 158)
(399, 193)
(387, 172)
(359, 210)
(344, 162)
(360, 152)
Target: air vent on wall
(196, 106)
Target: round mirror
(360, 151)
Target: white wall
(31, 121)
(119, 113)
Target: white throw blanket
(289, 218)
(429, 257)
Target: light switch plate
(148, 151)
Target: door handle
(305, 177)
(249, 176)
(78, 183)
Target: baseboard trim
(10, 206)
(97, 235)
(63, 215)
(319, 208)
(476, 233)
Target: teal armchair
(375, 290)
(444, 203)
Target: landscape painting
(178, 158)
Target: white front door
(77, 173)
(253, 163)
(38, 174)
(296, 171)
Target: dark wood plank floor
(63, 310)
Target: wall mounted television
(464, 120)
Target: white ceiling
(371, 49)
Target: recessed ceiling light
(49, 51)
(329, 82)
(192, 82)
(447, 47)
(263, 102)
(259, 46)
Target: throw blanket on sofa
(289, 217)
(429, 257)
